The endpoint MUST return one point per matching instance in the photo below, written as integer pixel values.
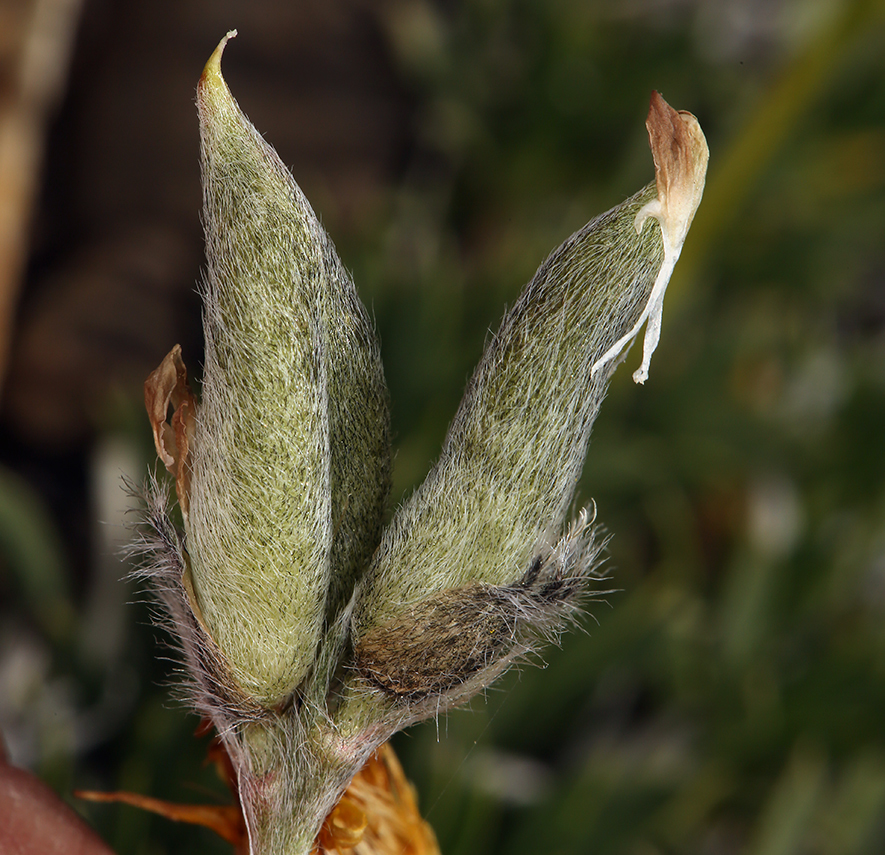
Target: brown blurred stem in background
(36, 37)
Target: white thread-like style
(654, 308)
(680, 154)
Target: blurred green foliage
(728, 698)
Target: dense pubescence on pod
(436, 646)
(512, 457)
(160, 556)
(507, 474)
(291, 447)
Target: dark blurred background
(728, 699)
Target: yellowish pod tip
(212, 70)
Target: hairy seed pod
(290, 452)
(513, 455)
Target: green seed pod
(499, 495)
(290, 453)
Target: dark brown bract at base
(440, 643)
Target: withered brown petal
(167, 386)
(183, 423)
(680, 155)
(225, 820)
(344, 826)
(378, 813)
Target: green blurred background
(728, 698)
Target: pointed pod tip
(212, 70)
